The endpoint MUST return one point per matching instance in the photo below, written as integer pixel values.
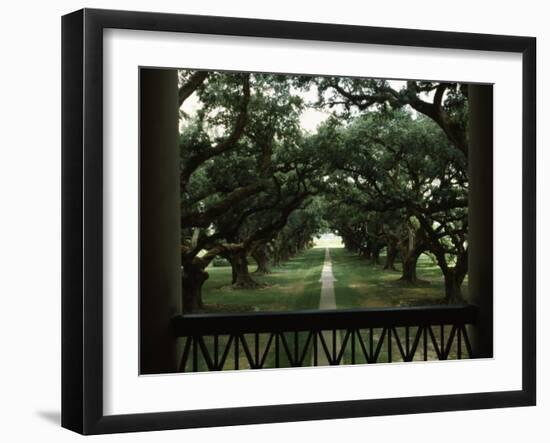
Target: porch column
(480, 214)
(160, 262)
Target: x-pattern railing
(214, 342)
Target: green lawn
(292, 286)
(296, 286)
(362, 285)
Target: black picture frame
(82, 218)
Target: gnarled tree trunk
(454, 277)
(276, 259)
(262, 260)
(284, 255)
(412, 247)
(391, 255)
(234, 270)
(243, 280)
(410, 261)
(192, 280)
(375, 256)
(453, 286)
(366, 251)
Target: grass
(363, 285)
(296, 286)
(292, 286)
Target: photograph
(266, 222)
(324, 220)
(296, 218)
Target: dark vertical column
(480, 215)
(160, 262)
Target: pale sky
(310, 118)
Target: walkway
(327, 279)
(327, 301)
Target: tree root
(247, 284)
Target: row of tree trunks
(454, 276)
(409, 260)
(410, 249)
(194, 274)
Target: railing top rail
(240, 323)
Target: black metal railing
(214, 342)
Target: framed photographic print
(269, 221)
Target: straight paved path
(327, 284)
(327, 301)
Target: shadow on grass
(291, 286)
(360, 284)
